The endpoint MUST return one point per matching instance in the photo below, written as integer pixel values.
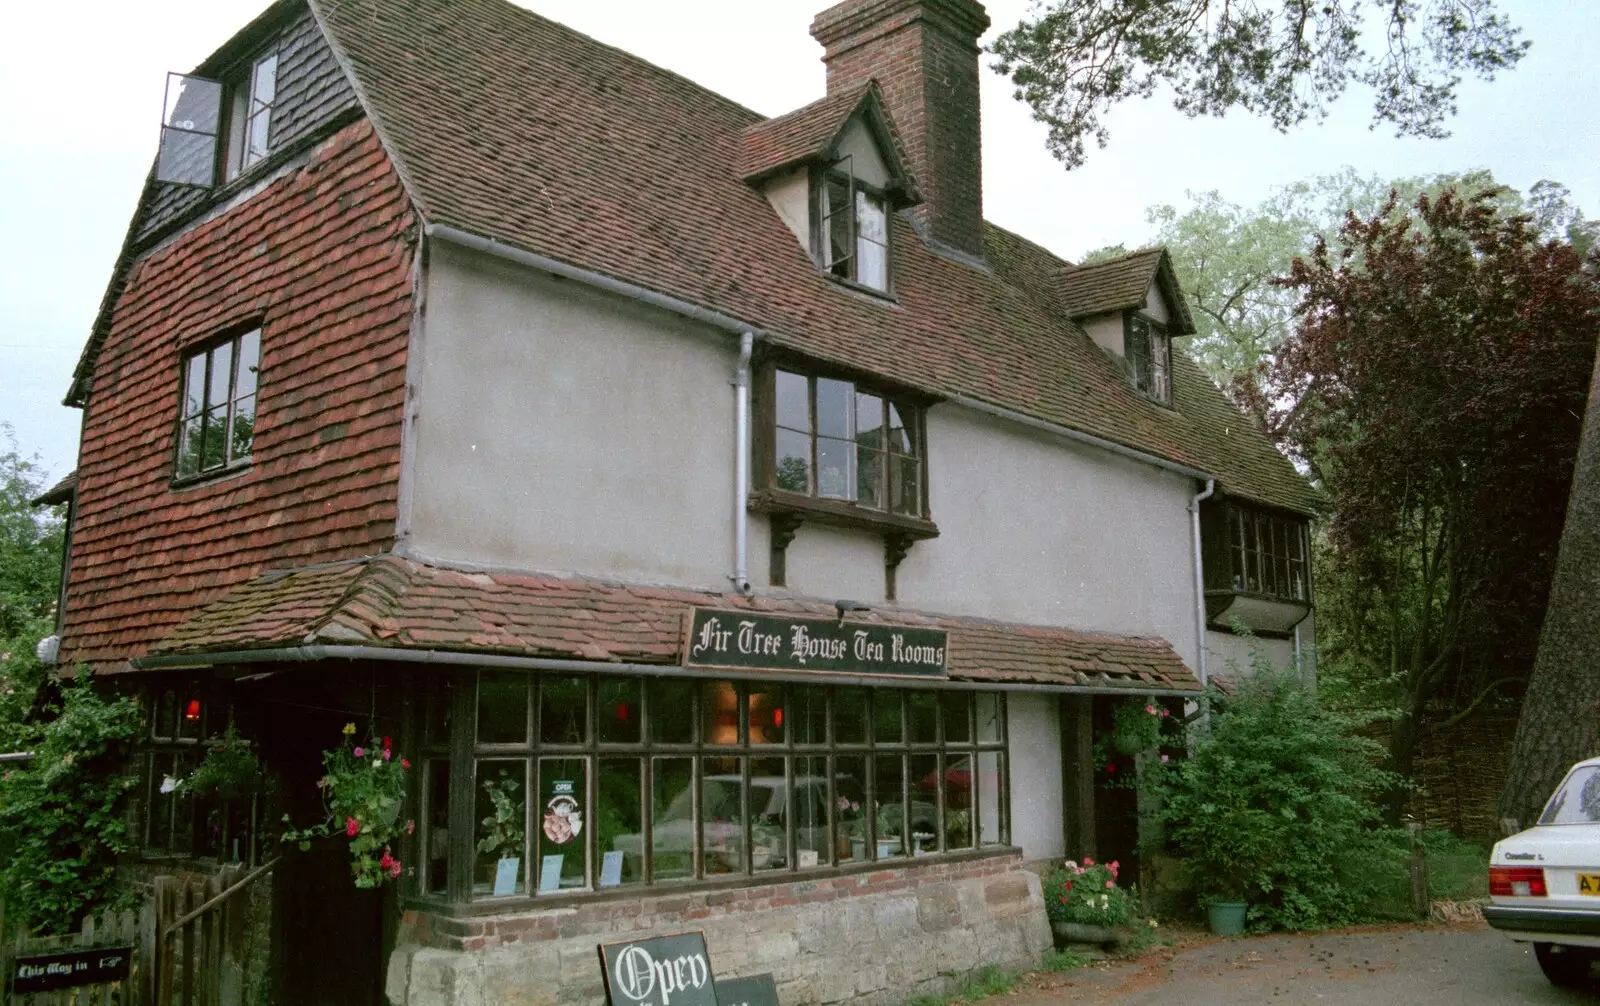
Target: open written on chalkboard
(661, 971)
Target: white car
(1544, 883)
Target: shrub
(63, 816)
(1087, 895)
(1275, 804)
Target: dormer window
(213, 130)
(1148, 350)
(250, 116)
(852, 227)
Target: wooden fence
(200, 937)
(110, 931)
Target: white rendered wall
(1034, 739)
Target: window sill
(524, 903)
(179, 484)
(881, 296)
(840, 513)
(1265, 615)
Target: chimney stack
(924, 56)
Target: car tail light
(1517, 881)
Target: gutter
(600, 281)
(741, 465)
(449, 658)
(1067, 433)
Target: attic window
(853, 227)
(193, 122)
(250, 117)
(1148, 350)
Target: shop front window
(614, 782)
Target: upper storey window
(853, 227)
(216, 427)
(250, 114)
(1148, 350)
(838, 440)
(217, 129)
(1267, 554)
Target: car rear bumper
(1554, 922)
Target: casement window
(1268, 554)
(217, 129)
(176, 821)
(852, 227)
(590, 783)
(216, 425)
(250, 114)
(837, 440)
(1148, 350)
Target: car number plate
(1589, 883)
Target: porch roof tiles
(390, 601)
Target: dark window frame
(173, 825)
(242, 108)
(957, 764)
(846, 269)
(194, 464)
(1147, 347)
(1268, 554)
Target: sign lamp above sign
(742, 640)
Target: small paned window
(216, 429)
(250, 121)
(177, 820)
(1149, 353)
(1268, 554)
(837, 440)
(691, 780)
(853, 237)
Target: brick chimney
(924, 56)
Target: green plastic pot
(1227, 918)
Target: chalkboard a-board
(661, 971)
(756, 990)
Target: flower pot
(1226, 917)
(1070, 933)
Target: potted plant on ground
(1086, 906)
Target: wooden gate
(199, 938)
(114, 944)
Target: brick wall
(322, 257)
(924, 56)
(874, 937)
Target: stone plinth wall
(875, 937)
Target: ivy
(63, 816)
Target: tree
(1227, 256)
(1560, 722)
(1433, 387)
(1287, 60)
(30, 577)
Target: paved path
(1467, 966)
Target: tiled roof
(61, 492)
(1120, 284)
(390, 601)
(803, 134)
(510, 126)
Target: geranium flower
(394, 868)
(351, 826)
(1150, 709)
(386, 744)
(1163, 759)
(1110, 884)
(1087, 861)
(386, 754)
(405, 763)
(360, 752)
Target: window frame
(977, 748)
(240, 100)
(1150, 376)
(821, 244)
(768, 496)
(1284, 537)
(235, 340)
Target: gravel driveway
(1472, 966)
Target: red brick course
(322, 258)
(654, 909)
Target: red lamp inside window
(192, 710)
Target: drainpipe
(741, 466)
(1200, 597)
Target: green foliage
(229, 771)
(1065, 960)
(1273, 803)
(63, 816)
(364, 788)
(1285, 60)
(30, 577)
(503, 830)
(1087, 894)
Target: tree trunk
(1402, 762)
(1560, 721)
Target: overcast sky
(80, 106)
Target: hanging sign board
(70, 969)
(662, 971)
(743, 640)
(757, 990)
